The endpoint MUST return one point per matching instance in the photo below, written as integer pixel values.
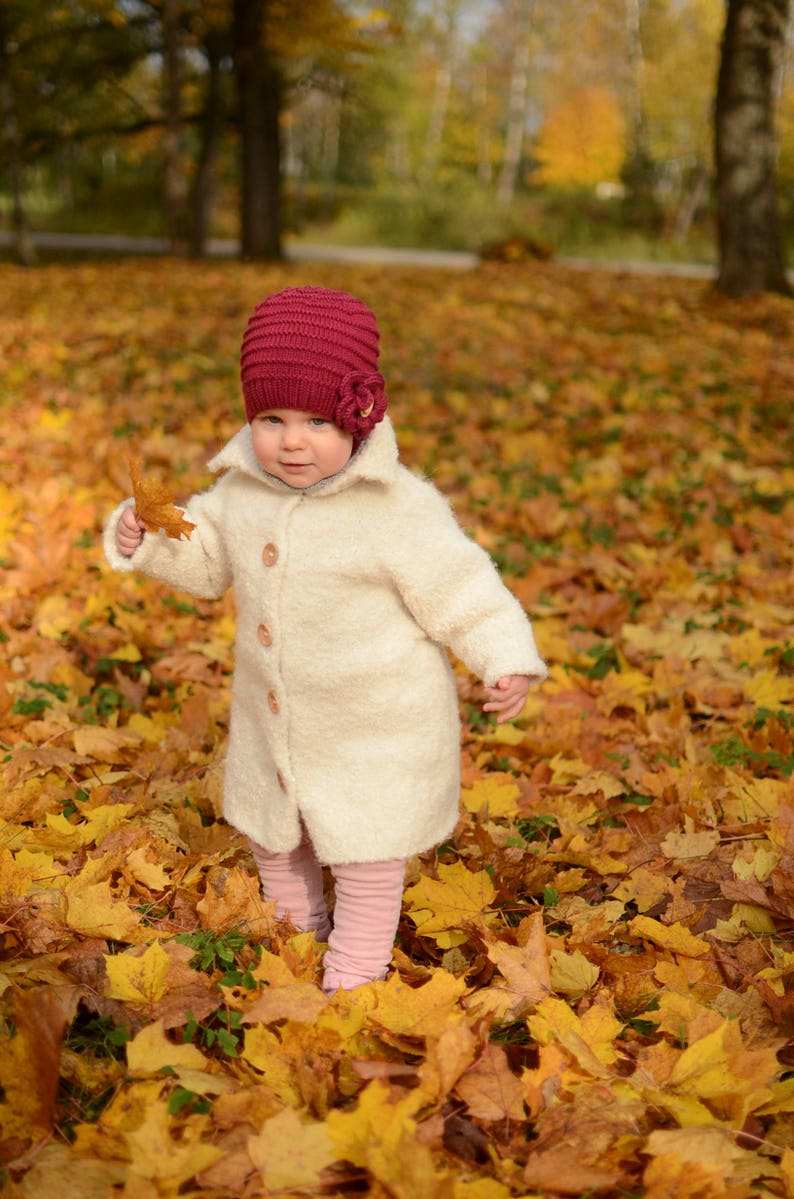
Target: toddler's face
(299, 448)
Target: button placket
(264, 631)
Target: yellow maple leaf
(626, 689)
(675, 937)
(94, 911)
(19, 871)
(264, 1050)
(154, 504)
(458, 897)
(768, 689)
(161, 1157)
(600, 782)
(644, 887)
(138, 977)
(690, 844)
(571, 973)
(127, 653)
(408, 1169)
(589, 1038)
(418, 1011)
(151, 874)
(480, 1188)
(377, 1119)
(290, 1152)
(150, 1051)
(567, 769)
(495, 795)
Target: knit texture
(315, 350)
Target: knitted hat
(316, 350)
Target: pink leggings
(367, 911)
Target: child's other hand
(507, 697)
(129, 533)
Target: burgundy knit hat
(316, 350)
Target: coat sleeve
(454, 591)
(200, 565)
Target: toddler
(351, 575)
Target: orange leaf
(154, 504)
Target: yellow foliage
(600, 947)
(582, 142)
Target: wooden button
(272, 702)
(265, 635)
(270, 554)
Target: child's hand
(508, 696)
(129, 533)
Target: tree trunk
(445, 18)
(484, 165)
(203, 191)
(633, 32)
(12, 142)
(174, 184)
(517, 107)
(259, 89)
(750, 243)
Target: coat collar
(376, 461)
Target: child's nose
(293, 435)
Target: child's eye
(269, 419)
(318, 420)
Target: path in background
(387, 256)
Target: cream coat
(344, 707)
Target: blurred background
(509, 128)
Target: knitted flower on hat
(316, 350)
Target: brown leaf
(29, 1062)
(558, 1172)
(490, 1090)
(154, 504)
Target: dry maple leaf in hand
(154, 504)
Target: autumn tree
(60, 67)
(583, 141)
(750, 244)
(214, 36)
(679, 61)
(260, 96)
(174, 180)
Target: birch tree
(517, 102)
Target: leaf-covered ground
(594, 980)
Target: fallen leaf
(458, 897)
(489, 1088)
(690, 844)
(30, 1047)
(150, 1051)
(571, 973)
(291, 1152)
(138, 978)
(154, 505)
